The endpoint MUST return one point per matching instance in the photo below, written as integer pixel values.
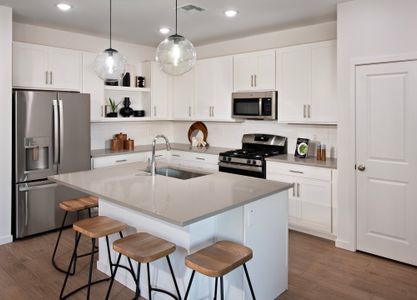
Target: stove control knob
(248, 161)
(254, 162)
(224, 158)
(229, 158)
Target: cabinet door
(245, 66)
(223, 88)
(93, 85)
(159, 93)
(315, 205)
(65, 67)
(182, 104)
(265, 74)
(294, 84)
(30, 66)
(204, 88)
(323, 86)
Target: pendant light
(176, 55)
(110, 64)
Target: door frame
(349, 227)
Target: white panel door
(323, 107)
(30, 66)
(159, 93)
(93, 85)
(182, 104)
(245, 67)
(293, 83)
(65, 68)
(223, 88)
(265, 73)
(204, 89)
(386, 123)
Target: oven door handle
(241, 167)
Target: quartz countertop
(330, 163)
(147, 148)
(176, 201)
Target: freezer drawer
(37, 208)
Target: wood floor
(317, 270)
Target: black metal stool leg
(137, 293)
(70, 265)
(149, 282)
(90, 274)
(249, 282)
(221, 288)
(56, 246)
(189, 285)
(173, 278)
(215, 289)
(113, 276)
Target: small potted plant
(113, 107)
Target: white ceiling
(138, 21)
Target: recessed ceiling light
(231, 13)
(164, 30)
(64, 6)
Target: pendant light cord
(110, 24)
(176, 17)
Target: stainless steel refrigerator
(51, 136)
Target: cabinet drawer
(107, 161)
(298, 171)
(192, 156)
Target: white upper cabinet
(254, 71)
(213, 89)
(306, 83)
(42, 67)
(160, 87)
(93, 85)
(183, 96)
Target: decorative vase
(111, 115)
(126, 111)
(126, 79)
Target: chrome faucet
(152, 165)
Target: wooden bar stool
(144, 248)
(93, 228)
(218, 260)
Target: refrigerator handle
(26, 209)
(61, 127)
(56, 134)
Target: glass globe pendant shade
(110, 65)
(176, 55)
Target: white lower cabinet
(201, 161)
(113, 160)
(311, 201)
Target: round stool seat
(143, 247)
(219, 259)
(98, 227)
(79, 204)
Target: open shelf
(126, 89)
(121, 119)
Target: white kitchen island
(193, 214)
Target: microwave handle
(260, 107)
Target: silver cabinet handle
(293, 189)
(50, 77)
(361, 168)
(154, 111)
(212, 111)
(175, 155)
(304, 111)
(298, 190)
(189, 111)
(251, 80)
(297, 172)
(309, 110)
(254, 81)
(200, 158)
(120, 160)
(46, 77)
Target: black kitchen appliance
(250, 160)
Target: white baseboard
(323, 235)
(345, 245)
(6, 239)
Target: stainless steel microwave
(255, 105)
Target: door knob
(361, 168)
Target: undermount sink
(177, 173)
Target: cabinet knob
(361, 168)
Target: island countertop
(176, 201)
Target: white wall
(5, 123)
(365, 28)
(230, 135)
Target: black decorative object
(111, 115)
(139, 113)
(126, 111)
(126, 79)
(301, 148)
(111, 83)
(140, 81)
